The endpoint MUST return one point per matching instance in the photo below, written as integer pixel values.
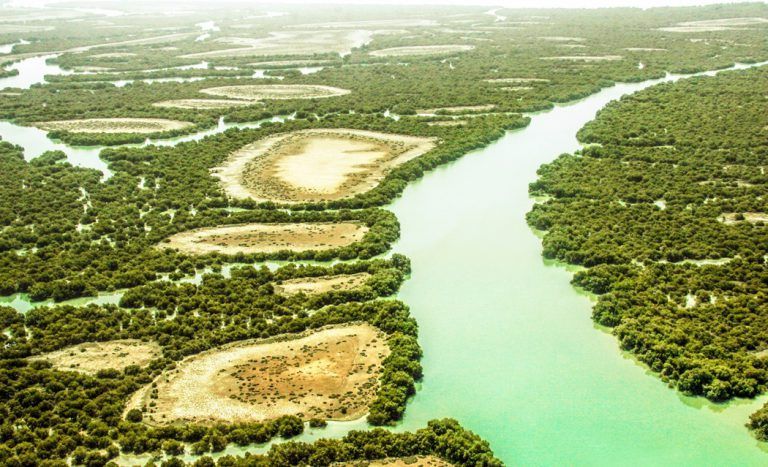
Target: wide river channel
(510, 349)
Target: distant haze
(503, 3)
(531, 3)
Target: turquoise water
(510, 349)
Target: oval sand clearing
(417, 50)
(114, 125)
(204, 104)
(313, 285)
(266, 238)
(316, 165)
(90, 357)
(330, 374)
(275, 91)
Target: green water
(509, 346)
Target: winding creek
(510, 349)
(35, 141)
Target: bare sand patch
(330, 374)
(91, 69)
(292, 63)
(289, 43)
(204, 104)
(142, 41)
(496, 28)
(275, 91)
(313, 285)
(562, 39)
(413, 461)
(697, 28)
(644, 49)
(316, 165)
(448, 123)
(22, 28)
(267, 238)
(114, 55)
(419, 50)
(751, 217)
(516, 80)
(91, 357)
(373, 23)
(114, 125)
(725, 22)
(586, 58)
(516, 88)
(458, 109)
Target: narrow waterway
(35, 141)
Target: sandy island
(330, 374)
(256, 92)
(586, 58)
(458, 109)
(313, 285)
(448, 123)
(204, 104)
(114, 125)
(417, 50)
(413, 461)
(751, 217)
(516, 80)
(266, 238)
(316, 165)
(91, 357)
(283, 43)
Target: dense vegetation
(442, 438)
(515, 48)
(67, 232)
(675, 177)
(71, 413)
(68, 235)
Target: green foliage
(65, 233)
(676, 168)
(441, 438)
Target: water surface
(510, 347)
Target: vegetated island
(666, 207)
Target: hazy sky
(506, 3)
(523, 3)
